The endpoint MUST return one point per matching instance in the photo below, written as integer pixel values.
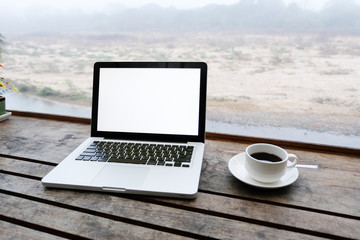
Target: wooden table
(322, 203)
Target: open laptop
(147, 132)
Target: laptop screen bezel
(200, 137)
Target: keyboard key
(183, 159)
(102, 159)
(119, 160)
(138, 153)
(88, 154)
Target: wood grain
(74, 224)
(127, 209)
(12, 231)
(321, 203)
(245, 210)
(41, 139)
(334, 182)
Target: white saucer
(236, 167)
(5, 116)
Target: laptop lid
(149, 101)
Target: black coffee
(266, 156)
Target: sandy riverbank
(310, 82)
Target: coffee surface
(266, 156)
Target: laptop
(147, 131)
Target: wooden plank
(111, 206)
(13, 231)
(335, 181)
(41, 139)
(73, 224)
(24, 168)
(51, 117)
(319, 224)
(320, 190)
(287, 217)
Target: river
(26, 103)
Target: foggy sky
(17, 6)
(164, 15)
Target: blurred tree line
(248, 16)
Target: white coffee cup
(267, 170)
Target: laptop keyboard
(138, 153)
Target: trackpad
(122, 177)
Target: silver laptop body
(156, 107)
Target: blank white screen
(154, 100)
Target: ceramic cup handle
(293, 163)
